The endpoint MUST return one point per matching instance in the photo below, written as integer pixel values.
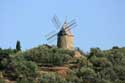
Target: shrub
(52, 56)
(87, 74)
(20, 68)
(52, 78)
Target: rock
(77, 54)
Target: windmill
(63, 33)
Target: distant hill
(49, 64)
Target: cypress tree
(18, 46)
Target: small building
(65, 38)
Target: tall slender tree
(18, 46)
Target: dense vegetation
(97, 66)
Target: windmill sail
(52, 36)
(63, 33)
(56, 22)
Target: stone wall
(66, 42)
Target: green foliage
(87, 74)
(54, 56)
(83, 62)
(120, 71)
(100, 63)
(24, 80)
(52, 78)
(98, 66)
(4, 61)
(117, 58)
(2, 81)
(103, 81)
(20, 68)
(18, 46)
(108, 74)
(7, 51)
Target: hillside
(49, 64)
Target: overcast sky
(101, 23)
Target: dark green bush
(106, 66)
(52, 78)
(53, 56)
(20, 68)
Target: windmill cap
(65, 30)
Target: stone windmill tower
(65, 38)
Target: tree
(108, 74)
(18, 46)
(88, 75)
(50, 57)
(52, 78)
(19, 68)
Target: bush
(4, 61)
(52, 78)
(53, 56)
(87, 74)
(108, 74)
(23, 80)
(20, 68)
(7, 51)
(120, 71)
